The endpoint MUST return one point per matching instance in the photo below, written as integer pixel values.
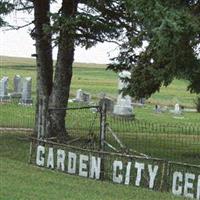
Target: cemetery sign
(155, 174)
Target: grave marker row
(22, 89)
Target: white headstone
(121, 83)
(17, 83)
(79, 95)
(157, 108)
(26, 91)
(177, 109)
(123, 106)
(82, 96)
(4, 89)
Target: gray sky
(18, 43)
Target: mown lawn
(21, 181)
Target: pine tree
(167, 34)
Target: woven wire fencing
(15, 115)
(166, 141)
(171, 142)
(83, 126)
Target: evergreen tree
(165, 45)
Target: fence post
(102, 136)
(102, 125)
(39, 119)
(42, 118)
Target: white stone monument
(157, 108)
(123, 107)
(17, 83)
(4, 89)
(26, 92)
(177, 109)
(82, 96)
(79, 95)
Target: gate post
(102, 107)
(39, 125)
(102, 125)
(42, 112)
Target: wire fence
(171, 142)
(166, 141)
(14, 115)
(179, 143)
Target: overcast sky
(19, 43)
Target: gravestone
(82, 96)
(108, 103)
(177, 109)
(123, 107)
(4, 89)
(26, 92)
(17, 83)
(86, 97)
(79, 95)
(157, 108)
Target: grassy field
(21, 181)
(95, 79)
(159, 139)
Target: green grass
(176, 92)
(147, 114)
(21, 181)
(14, 115)
(9, 61)
(95, 79)
(153, 140)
